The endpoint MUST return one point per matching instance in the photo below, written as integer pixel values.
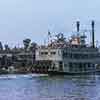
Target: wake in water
(13, 76)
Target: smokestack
(93, 40)
(78, 26)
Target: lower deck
(70, 67)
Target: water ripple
(41, 87)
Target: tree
(4, 60)
(33, 46)
(6, 47)
(15, 48)
(1, 46)
(26, 43)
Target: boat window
(53, 53)
(44, 53)
(60, 65)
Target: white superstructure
(70, 56)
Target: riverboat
(70, 57)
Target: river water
(34, 87)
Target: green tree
(33, 46)
(26, 43)
(6, 47)
(1, 46)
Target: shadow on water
(80, 87)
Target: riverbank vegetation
(17, 59)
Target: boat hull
(66, 73)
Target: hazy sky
(20, 19)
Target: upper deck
(74, 49)
(50, 54)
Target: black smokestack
(78, 26)
(92, 24)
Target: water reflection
(30, 87)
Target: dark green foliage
(1, 46)
(6, 47)
(26, 43)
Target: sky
(20, 19)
